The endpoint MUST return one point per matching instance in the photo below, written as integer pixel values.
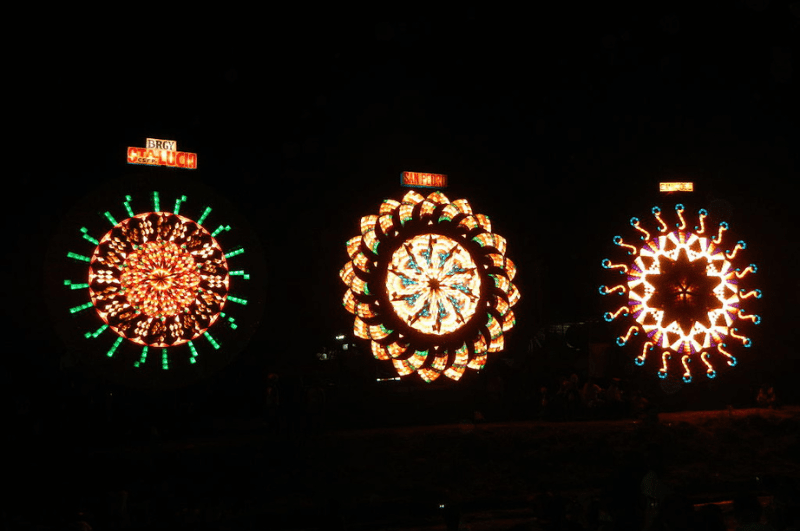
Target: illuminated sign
(423, 180)
(676, 187)
(162, 153)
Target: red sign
(423, 180)
(162, 153)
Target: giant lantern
(161, 289)
(685, 295)
(430, 286)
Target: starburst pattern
(158, 279)
(433, 283)
(430, 286)
(684, 295)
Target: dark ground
(304, 473)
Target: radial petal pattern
(430, 286)
(159, 280)
(684, 296)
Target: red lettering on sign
(427, 180)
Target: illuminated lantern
(430, 286)
(684, 297)
(155, 285)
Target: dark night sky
(558, 124)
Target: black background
(557, 121)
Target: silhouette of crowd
(95, 460)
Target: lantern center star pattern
(160, 279)
(684, 291)
(684, 295)
(433, 284)
(430, 286)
